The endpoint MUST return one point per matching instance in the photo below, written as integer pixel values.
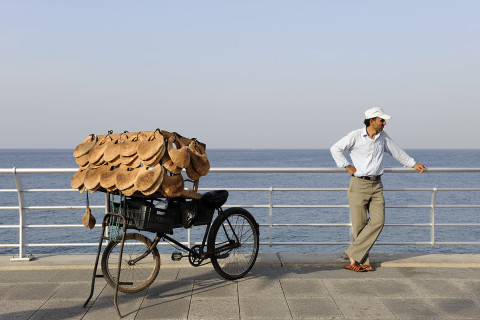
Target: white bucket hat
(376, 112)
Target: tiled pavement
(278, 287)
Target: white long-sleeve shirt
(367, 153)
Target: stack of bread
(147, 164)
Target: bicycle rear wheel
(234, 237)
(134, 276)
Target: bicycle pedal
(177, 256)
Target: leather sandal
(355, 267)
(367, 267)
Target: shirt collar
(365, 134)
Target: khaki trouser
(365, 196)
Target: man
(367, 147)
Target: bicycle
(231, 240)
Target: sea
(268, 158)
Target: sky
(239, 74)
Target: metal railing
(270, 206)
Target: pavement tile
(60, 309)
(314, 308)
(70, 275)
(394, 288)
(78, 290)
(432, 288)
(266, 307)
(19, 310)
(201, 273)
(304, 288)
(363, 307)
(456, 308)
(164, 308)
(214, 288)
(411, 308)
(260, 287)
(167, 274)
(103, 306)
(349, 287)
(471, 286)
(170, 289)
(5, 289)
(33, 291)
(274, 273)
(214, 308)
(26, 275)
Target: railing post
(21, 220)
(432, 217)
(270, 216)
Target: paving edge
(271, 260)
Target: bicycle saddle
(215, 199)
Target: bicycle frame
(201, 254)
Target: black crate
(144, 216)
(203, 213)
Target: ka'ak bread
(78, 178)
(173, 186)
(84, 147)
(198, 158)
(179, 155)
(108, 179)
(169, 165)
(155, 188)
(125, 177)
(148, 177)
(151, 147)
(95, 155)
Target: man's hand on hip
(351, 170)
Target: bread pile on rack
(148, 164)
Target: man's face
(378, 124)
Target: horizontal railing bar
(299, 206)
(459, 206)
(62, 244)
(49, 190)
(278, 206)
(37, 170)
(307, 225)
(38, 226)
(251, 170)
(386, 225)
(60, 207)
(457, 243)
(261, 243)
(332, 170)
(35, 226)
(335, 189)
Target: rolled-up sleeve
(338, 148)
(398, 153)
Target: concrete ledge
(267, 259)
(430, 260)
(405, 260)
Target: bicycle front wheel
(234, 240)
(135, 276)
